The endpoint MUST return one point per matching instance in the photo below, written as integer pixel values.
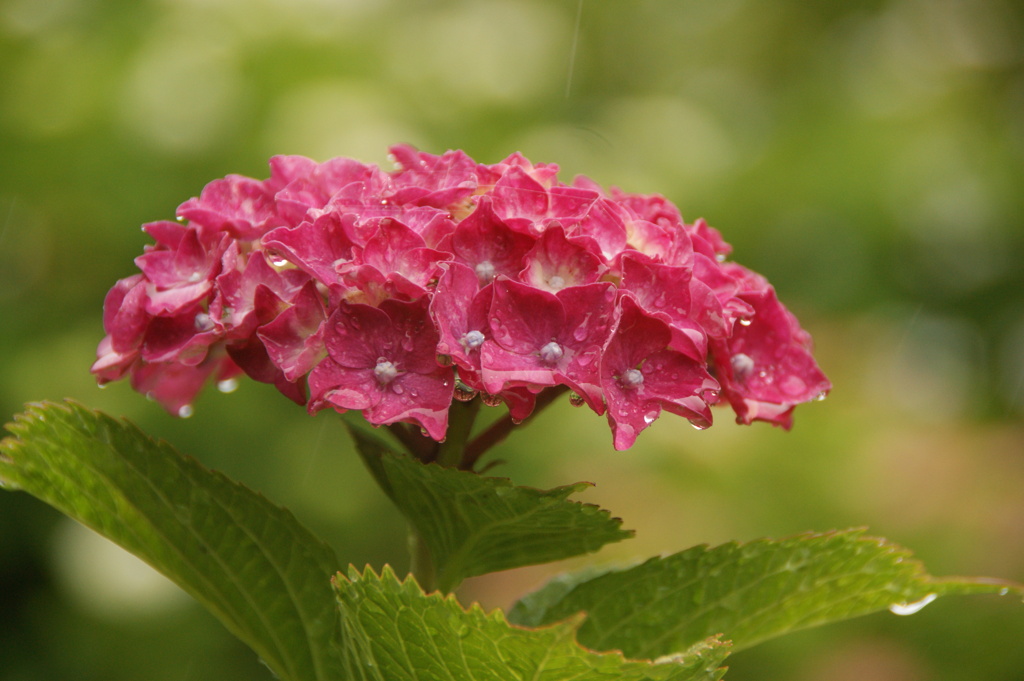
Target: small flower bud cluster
(393, 293)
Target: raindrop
(278, 261)
(424, 433)
(699, 422)
(911, 608)
(464, 393)
(397, 389)
(744, 321)
(516, 422)
(1004, 591)
(580, 333)
(185, 411)
(228, 385)
(650, 417)
(576, 400)
(720, 257)
(821, 396)
(444, 360)
(490, 400)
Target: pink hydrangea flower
(393, 293)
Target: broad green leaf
(745, 592)
(474, 525)
(394, 632)
(249, 562)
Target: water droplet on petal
(576, 400)
(711, 395)
(911, 608)
(720, 257)
(820, 396)
(744, 321)
(397, 389)
(516, 422)
(490, 400)
(464, 393)
(185, 411)
(650, 417)
(699, 422)
(424, 432)
(228, 385)
(444, 360)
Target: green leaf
(474, 525)
(394, 632)
(746, 592)
(249, 562)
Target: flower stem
(421, 564)
(460, 422)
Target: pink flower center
(203, 322)
(551, 352)
(472, 340)
(631, 379)
(485, 272)
(385, 371)
(742, 366)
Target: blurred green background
(867, 157)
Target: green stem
(421, 564)
(449, 454)
(460, 422)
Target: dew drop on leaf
(185, 411)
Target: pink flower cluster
(393, 293)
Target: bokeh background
(866, 156)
